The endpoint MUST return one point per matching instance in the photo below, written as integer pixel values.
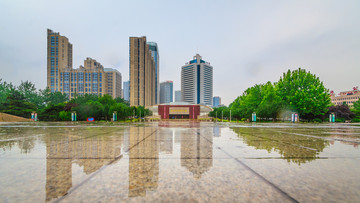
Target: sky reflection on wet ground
(179, 161)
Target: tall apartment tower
(197, 82)
(142, 73)
(178, 96)
(59, 58)
(154, 49)
(127, 90)
(114, 81)
(166, 92)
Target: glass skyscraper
(216, 101)
(178, 96)
(127, 90)
(154, 49)
(166, 92)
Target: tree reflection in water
(293, 148)
(11, 137)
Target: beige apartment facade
(142, 73)
(347, 97)
(59, 57)
(91, 78)
(114, 82)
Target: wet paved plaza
(179, 162)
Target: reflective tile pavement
(179, 162)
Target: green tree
(248, 102)
(89, 109)
(303, 92)
(221, 111)
(121, 100)
(271, 102)
(16, 104)
(107, 101)
(51, 112)
(65, 115)
(5, 88)
(123, 111)
(30, 93)
(53, 97)
(356, 108)
(82, 99)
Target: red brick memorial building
(180, 110)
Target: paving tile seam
(101, 169)
(254, 172)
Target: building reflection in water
(166, 142)
(294, 148)
(91, 153)
(347, 136)
(217, 131)
(142, 144)
(143, 160)
(9, 139)
(197, 151)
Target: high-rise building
(178, 96)
(197, 81)
(127, 90)
(88, 79)
(114, 81)
(166, 92)
(59, 58)
(142, 73)
(155, 54)
(216, 101)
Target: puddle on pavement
(178, 161)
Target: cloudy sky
(247, 42)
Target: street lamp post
(230, 115)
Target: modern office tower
(155, 54)
(216, 101)
(127, 90)
(113, 82)
(166, 92)
(142, 73)
(178, 96)
(197, 82)
(59, 58)
(88, 79)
